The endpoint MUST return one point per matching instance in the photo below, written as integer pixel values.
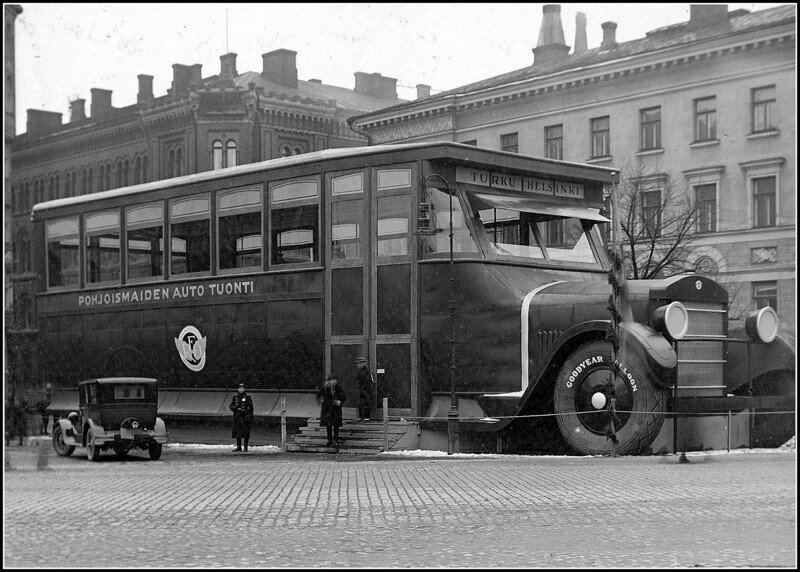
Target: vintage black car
(117, 413)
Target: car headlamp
(672, 320)
(762, 325)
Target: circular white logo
(135, 424)
(698, 285)
(192, 348)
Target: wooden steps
(355, 438)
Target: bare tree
(658, 224)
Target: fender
(160, 431)
(653, 349)
(776, 356)
(97, 431)
(68, 432)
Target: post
(283, 424)
(452, 415)
(729, 430)
(385, 423)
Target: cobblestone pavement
(195, 509)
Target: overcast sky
(64, 50)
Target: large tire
(585, 373)
(59, 446)
(92, 450)
(154, 449)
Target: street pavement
(213, 508)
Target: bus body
(277, 273)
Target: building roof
(677, 35)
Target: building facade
(202, 123)
(705, 107)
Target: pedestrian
(330, 414)
(242, 407)
(366, 389)
(43, 404)
(20, 419)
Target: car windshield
(538, 236)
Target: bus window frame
(267, 222)
(363, 196)
(234, 211)
(189, 218)
(590, 229)
(86, 285)
(481, 246)
(388, 192)
(164, 231)
(64, 288)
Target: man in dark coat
(42, 407)
(242, 407)
(330, 414)
(366, 389)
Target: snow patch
(203, 448)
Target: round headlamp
(672, 320)
(762, 325)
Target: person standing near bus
(366, 389)
(330, 414)
(242, 407)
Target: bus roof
(118, 380)
(446, 149)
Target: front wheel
(92, 449)
(60, 447)
(154, 449)
(582, 393)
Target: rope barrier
(603, 411)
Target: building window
(144, 168)
(705, 119)
(473, 142)
(239, 229)
(510, 142)
(137, 171)
(126, 172)
(90, 184)
(23, 252)
(63, 262)
(764, 201)
(108, 176)
(120, 175)
(51, 190)
(101, 178)
(216, 155)
(765, 294)
(144, 228)
(650, 120)
(706, 204)
(601, 137)
(554, 142)
(230, 153)
(102, 247)
(763, 105)
(706, 266)
(294, 222)
(190, 236)
(651, 212)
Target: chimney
(227, 66)
(376, 85)
(609, 35)
(423, 91)
(580, 33)
(184, 77)
(77, 110)
(702, 15)
(101, 102)
(40, 121)
(280, 66)
(551, 46)
(145, 88)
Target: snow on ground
(202, 448)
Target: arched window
(67, 180)
(216, 155)
(144, 169)
(286, 151)
(137, 171)
(26, 198)
(90, 183)
(230, 153)
(74, 184)
(120, 174)
(706, 265)
(108, 176)
(51, 189)
(179, 162)
(57, 191)
(298, 150)
(171, 163)
(101, 178)
(126, 169)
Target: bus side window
(294, 222)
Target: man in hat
(366, 389)
(242, 407)
(330, 414)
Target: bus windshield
(539, 235)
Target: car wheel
(581, 396)
(92, 450)
(60, 447)
(155, 451)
